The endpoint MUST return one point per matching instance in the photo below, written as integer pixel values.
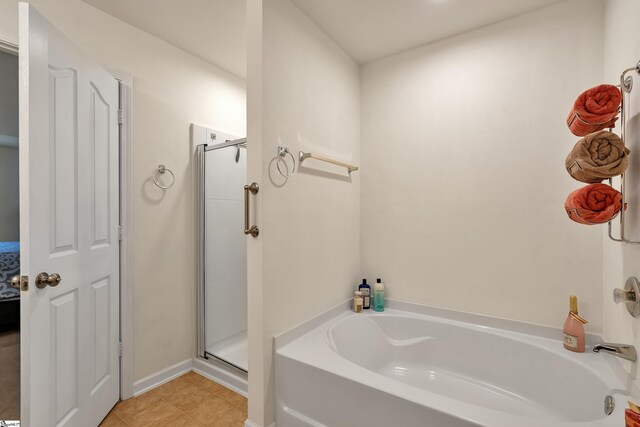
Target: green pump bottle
(378, 296)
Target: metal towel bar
(304, 156)
(626, 84)
(253, 188)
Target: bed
(9, 267)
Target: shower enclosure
(222, 255)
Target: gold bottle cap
(573, 304)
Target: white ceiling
(214, 30)
(372, 29)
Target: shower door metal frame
(200, 249)
(201, 260)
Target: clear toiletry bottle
(357, 302)
(366, 294)
(378, 296)
(574, 328)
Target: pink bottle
(574, 328)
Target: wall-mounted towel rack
(283, 152)
(626, 84)
(304, 156)
(162, 169)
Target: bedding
(9, 266)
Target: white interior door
(69, 226)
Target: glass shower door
(225, 256)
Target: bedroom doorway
(9, 239)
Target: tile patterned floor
(188, 401)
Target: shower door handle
(250, 229)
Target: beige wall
(8, 95)
(171, 90)
(9, 199)
(306, 97)
(463, 179)
(622, 51)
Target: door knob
(20, 282)
(43, 279)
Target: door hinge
(120, 232)
(120, 116)
(120, 349)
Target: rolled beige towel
(597, 156)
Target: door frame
(126, 220)
(125, 81)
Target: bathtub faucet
(624, 351)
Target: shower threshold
(231, 350)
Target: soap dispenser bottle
(357, 302)
(574, 328)
(366, 294)
(378, 296)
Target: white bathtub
(422, 366)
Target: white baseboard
(227, 379)
(161, 377)
(250, 423)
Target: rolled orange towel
(597, 156)
(593, 204)
(594, 110)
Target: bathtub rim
(518, 326)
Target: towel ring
(160, 171)
(282, 153)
